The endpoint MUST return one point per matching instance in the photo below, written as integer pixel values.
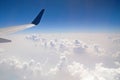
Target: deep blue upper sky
(63, 15)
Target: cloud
(72, 46)
(98, 73)
(13, 68)
(52, 57)
(60, 65)
(96, 50)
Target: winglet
(36, 21)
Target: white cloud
(96, 50)
(12, 68)
(72, 46)
(60, 57)
(60, 65)
(99, 73)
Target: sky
(63, 15)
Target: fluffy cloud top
(72, 46)
(56, 57)
(12, 68)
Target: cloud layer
(12, 68)
(61, 57)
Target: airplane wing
(13, 29)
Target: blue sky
(63, 15)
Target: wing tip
(37, 20)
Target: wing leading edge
(13, 29)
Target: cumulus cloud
(60, 58)
(98, 73)
(12, 68)
(60, 65)
(72, 46)
(96, 50)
